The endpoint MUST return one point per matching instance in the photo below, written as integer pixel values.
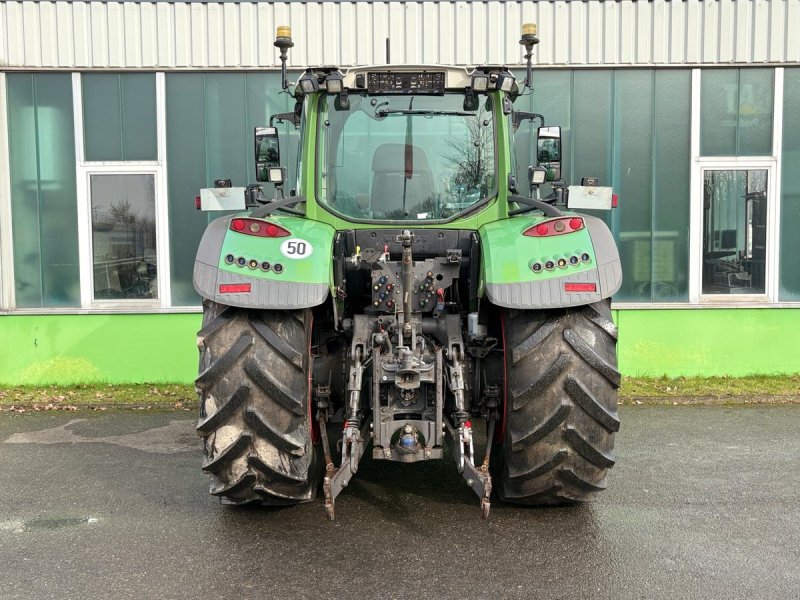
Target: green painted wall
(156, 348)
(739, 341)
(160, 348)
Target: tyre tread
(273, 388)
(223, 364)
(227, 455)
(285, 441)
(253, 386)
(586, 400)
(587, 353)
(561, 417)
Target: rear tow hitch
(478, 478)
(336, 479)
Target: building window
(43, 191)
(734, 231)
(211, 138)
(119, 116)
(630, 128)
(736, 112)
(790, 187)
(124, 246)
(735, 216)
(123, 220)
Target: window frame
(702, 163)
(773, 228)
(89, 172)
(158, 169)
(6, 244)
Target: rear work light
(234, 288)
(258, 228)
(553, 227)
(580, 287)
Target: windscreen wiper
(529, 204)
(254, 196)
(382, 112)
(282, 204)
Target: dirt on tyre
(254, 387)
(555, 442)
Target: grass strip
(752, 389)
(98, 397)
(752, 385)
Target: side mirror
(548, 151)
(267, 151)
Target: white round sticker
(296, 248)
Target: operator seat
(389, 177)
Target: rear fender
(301, 280)
(508, 258)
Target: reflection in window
(734, 231)
(736, 112)
(42, 184)
(124, 236)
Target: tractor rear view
(404, 289)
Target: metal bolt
(385, 378)
(469, 481)
(344, 484)
(427, 453)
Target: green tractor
(403, 289)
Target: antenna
(388, 61)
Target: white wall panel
(776, 34)
(31, 33)
(49, 35)
(81, 36)
(116, 34)
(214, 35)
(149, 32)
(477, 32)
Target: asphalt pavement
(703, 503)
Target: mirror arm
(291, 117)
(520, 116)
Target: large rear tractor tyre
(254, 387)
(560, 405)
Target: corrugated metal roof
(225, 35)
(314, 1)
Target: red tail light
(234, 288)
(198, 205)
(258, 228)
(614, 201)
(553, 227)
(580, 287)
